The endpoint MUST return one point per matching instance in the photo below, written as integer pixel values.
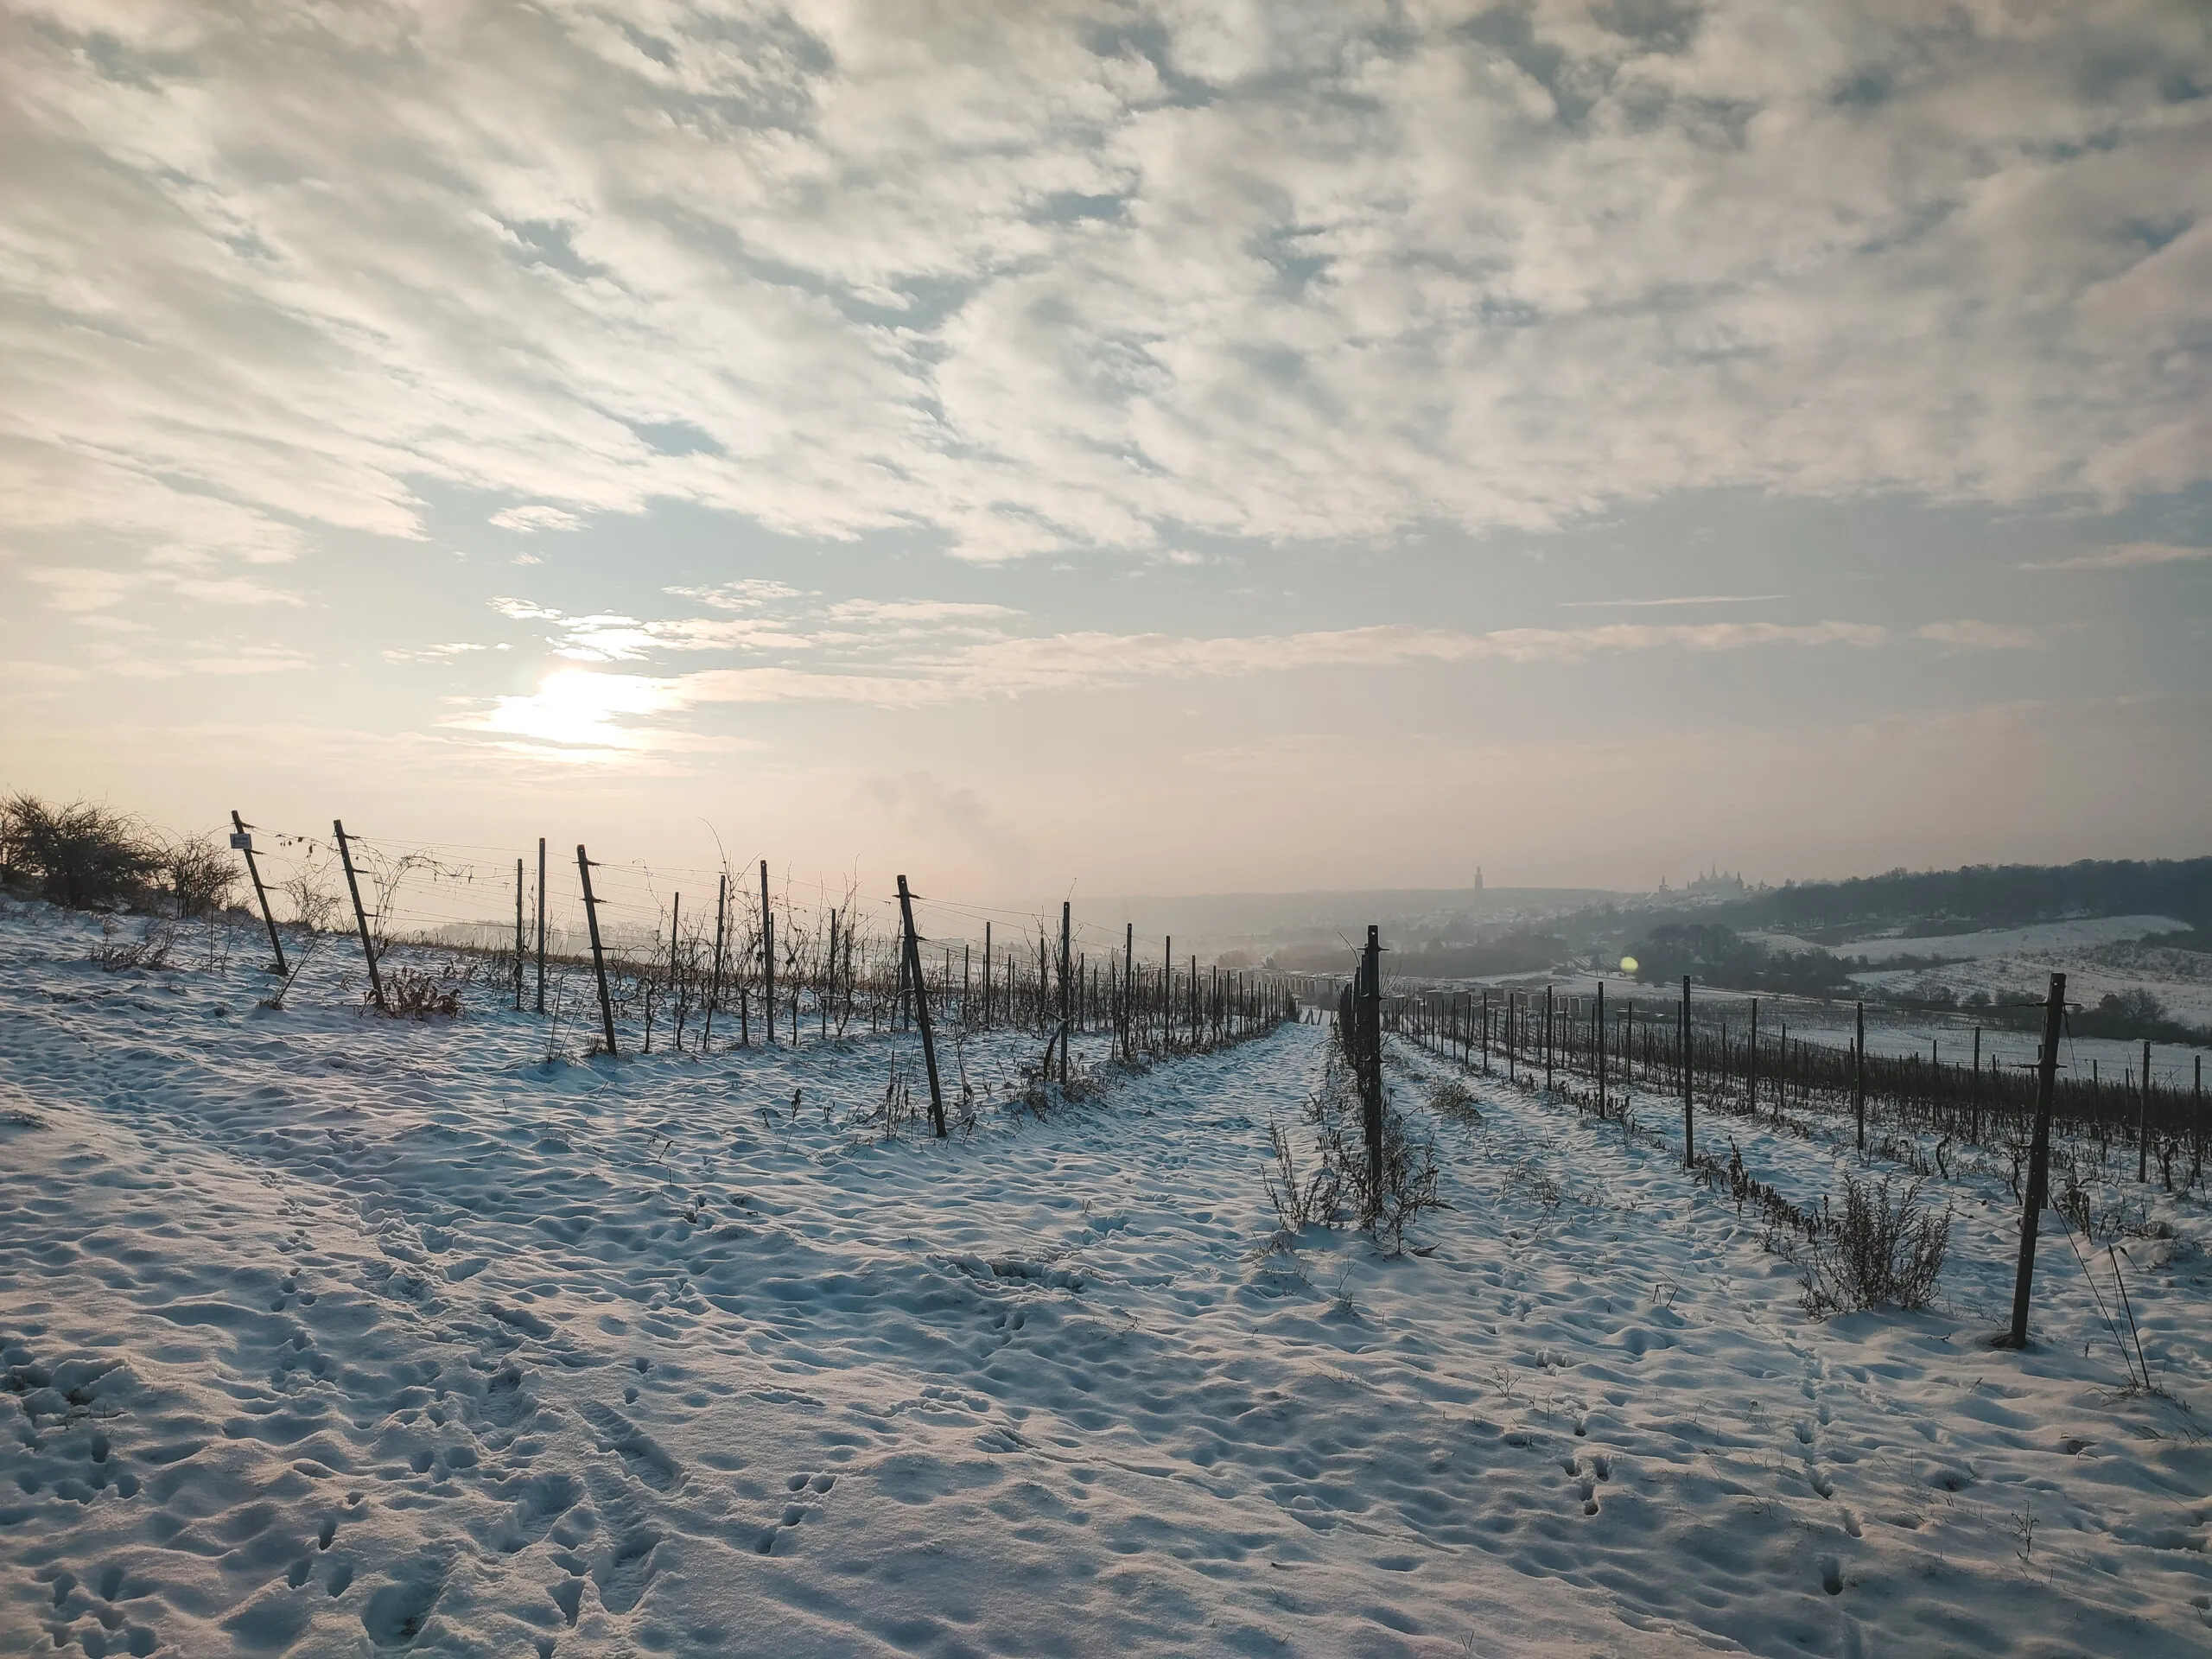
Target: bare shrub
(314, 907)
(80, 855)
(1885, 1249)
(1302, 1201)
(1409, 1183)
(419, 994)
(149, 950)
(201, 875)
(1453, 1099)
(1342, 1186)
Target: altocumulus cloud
(1044, 276)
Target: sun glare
(576, 707)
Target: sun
(577, 708)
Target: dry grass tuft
(1885, 1249)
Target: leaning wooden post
(598, 955)
(2143, 1118)
(518, 936)
(1066, 987)
(360, 916)
(2038, 1160)
(541, 923)
(767, 961)
(1689, 1127)
(242, 839)
(1858, 1077)
(714, 981)
(921, 1006)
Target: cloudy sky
(1164, 447)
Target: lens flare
(1628, 964)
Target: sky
(1158, 448)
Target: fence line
(1603, 1050)
(684, 949)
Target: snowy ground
(2039, 937)
(332, 1336)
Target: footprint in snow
(641, 1455)
(805, 1489)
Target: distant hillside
(1929, 902)
(1317, 919)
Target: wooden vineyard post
(1370, 1010)
(1689, 1127)
(676, 969)
(360, 916)
(1751, 1065)
(767, 961)
(986, 973)
(715, 978)
(1858, 1076)
(2143, 1118)
(1167, 993)
(1598, 1030)
(598, 955)
(913, 954)
(541, 923)
(242, 838)
(2038, 1161)
(1547, 1039)
(1129, 984)
(1066, 988)
(1485, 1031)
(1974, 1093)
(518, 936)
(832, 983)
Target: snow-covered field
(2041, 936)
(329, 1335)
